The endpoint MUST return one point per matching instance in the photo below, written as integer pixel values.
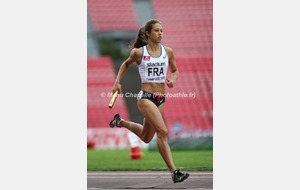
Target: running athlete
(153, 60)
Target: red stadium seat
(100, 80)
(107, 15)
(195, 78)
(187, 25)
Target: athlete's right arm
(133, 57)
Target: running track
(147, 180)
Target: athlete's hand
(117, 87)
(170, 83)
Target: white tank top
(153, 69)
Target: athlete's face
(156, 33)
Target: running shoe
(178, 176)
(116, 121)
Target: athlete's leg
(145, 132)
(153, 115)
(136, 128)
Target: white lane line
(143, 177)
(147, 174)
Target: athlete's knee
(162, 132)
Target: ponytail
(141, 39)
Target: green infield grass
(119, 160)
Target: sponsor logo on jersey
(155, 64)
(146, 58)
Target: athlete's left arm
(173, 68)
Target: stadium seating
(100, 81)
(192, 44)
(190, 103)
(107, 15)
(187, 25)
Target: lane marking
(144, 177)
(147, 174)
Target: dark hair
(142, 38)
